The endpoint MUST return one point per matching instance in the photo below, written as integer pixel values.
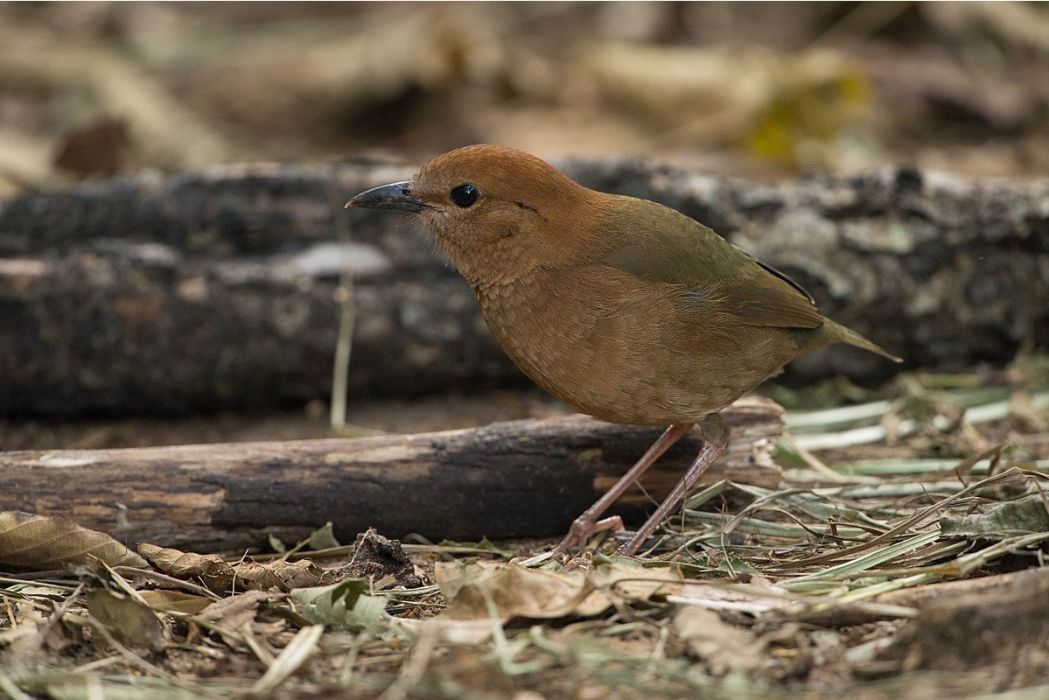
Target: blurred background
(762, 91)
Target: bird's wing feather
(660, 245)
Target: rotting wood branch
(198, 292)
(525, 478)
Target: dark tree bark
(199, 292)
(514, 479)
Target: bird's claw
(569, 552)
(583, 528)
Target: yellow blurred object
(792, 109)
(812, 117)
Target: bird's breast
(604, 344)
(544, 327)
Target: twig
(344, 343)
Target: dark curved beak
(392, 196)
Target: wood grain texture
(511, 479)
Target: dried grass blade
(870, 560)
(913, 520)
(299, 649)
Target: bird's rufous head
(498, 212)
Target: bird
(626, 309)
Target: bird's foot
(583, 528)
(631, 546)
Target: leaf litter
(911, 569)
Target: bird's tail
(835, 332)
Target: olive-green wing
(660, 245)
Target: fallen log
(525, 478)
(198, 292)
(1002, 631)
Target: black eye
(464, 195)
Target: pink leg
(587, 524)
(715, 441)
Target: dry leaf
(222, 577)
(459, 632)
(517, 591)
(280, 575)
(94, 148)
(724, 647)
(30, 541)
(216, 573)
(24, 638)
(175, 601)
(236, 611)
(129, 621)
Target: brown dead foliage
(222, 576)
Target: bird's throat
(494, 264)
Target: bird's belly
(615, 365)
